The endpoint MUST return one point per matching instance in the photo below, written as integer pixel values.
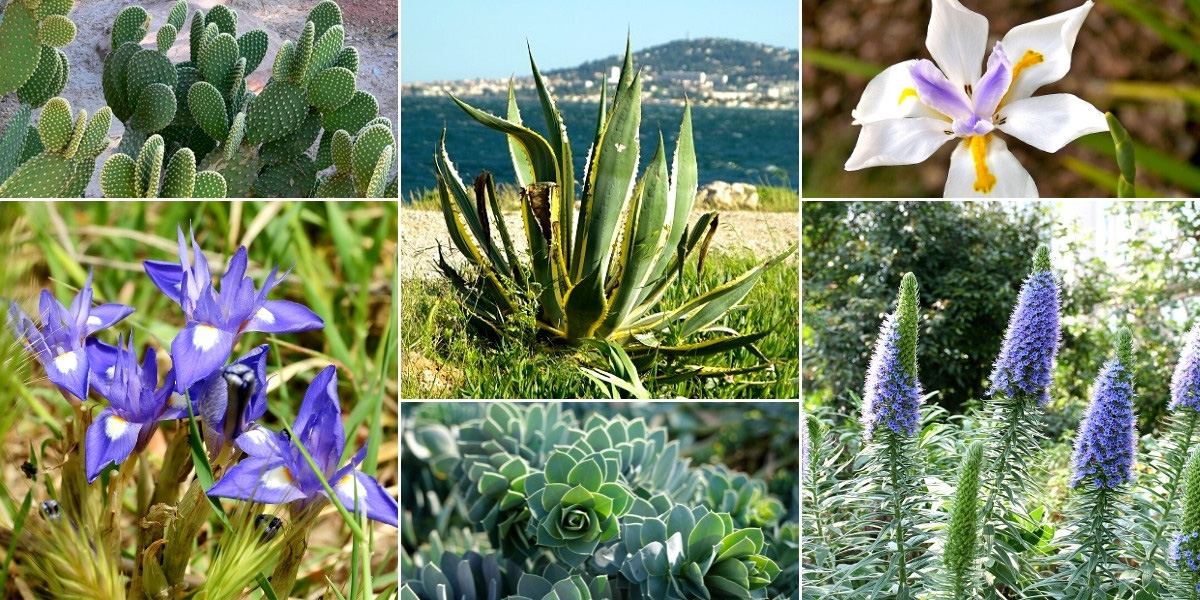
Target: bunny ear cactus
(67, 159)
(600, 276)
(362, 166)
(694, 553)
(30, 34)
(575, 504)
(123, 177)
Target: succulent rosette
(575, 504)
(695, 553)
(745, 499)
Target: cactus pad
(353, 115)
(33, 145)
(196, 38)
(57, 31)
(54, 126)
(340, 185)
(331, 89)
(208, 109)
(237, 131)
(113, 80)
(225, 19)
(218, 58)
(235, 80)
(379, 179)
(252, 46)
(19, 46)
(294, 144)
(82, 169)
(39, 88)
(76, 135)
(155, 108)
(147, 67)
(13, 141)
(95, 136)
(325, 52)
(240, 172)
(166, 37)
(325, 15)
(283, 60)
(118, 177)
(43, 176)
(304, 52)
(209, 184)
(178, 15)
(54, 7)
(278, 111)
(149, 166)
(348, 59)
(324, 158)
(188, 76)
(180, 179)
(366, 154)
(341, 150)
(130, 26)
(291, 179)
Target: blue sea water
(752, 145)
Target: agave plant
(600, 273)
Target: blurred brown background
(1119, 64)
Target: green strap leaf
(541, 156)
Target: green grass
(771, 198)
(342, 259)
(440, 345)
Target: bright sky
(458, 39)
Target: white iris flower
(911, 109)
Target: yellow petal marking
(1028, 59)
(906, 94)
(984, 180)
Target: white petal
(898, 142)
(66, 362)
(276, 478)
(957, 39)
(1011, 179)
(1052, 121)
(1052, 38)
(349, 486)
(891, 95)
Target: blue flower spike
(137, 404)
(1026, 362)
(1106, 443)
(275, 472)
(892, 395)
(60, 343)
(215, 320)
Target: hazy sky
(457, 39)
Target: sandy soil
(370, 26)
(420, 232)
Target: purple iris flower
(137, 405)
(59, 344)
(232, 398)
(275, 472)
(215, 320)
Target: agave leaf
(520, 157)
(642, 240)
(625, 80)
(682, 195)
(706, 372)
(559, 142)
(611, 181)
(707, 347)
(683, 249)
(539, 250)
(467, 209)
(517, 273)
(458, 233)
(541, 156)
(585, 196)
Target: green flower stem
(894, 458)
(1125, 157)
(1174, 484)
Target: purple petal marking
(973, 126)
(236, 271)
(56, 327)
(284, 316)
(258, 479)
(199, 350)
(994, 83)
(371, 496)
(102, 362)
(81, 305)
(105, 316)
(110, 439)
(936, 92)
(319, 422)
(168, 277)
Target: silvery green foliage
(556, 497)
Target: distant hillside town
(708, 71)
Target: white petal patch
(115, 427)
(94, 321)
(178, 401)
(348, 486)
(276, 478)
(110, 372)
(205, 337)
(66, 362)
(265, 316)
